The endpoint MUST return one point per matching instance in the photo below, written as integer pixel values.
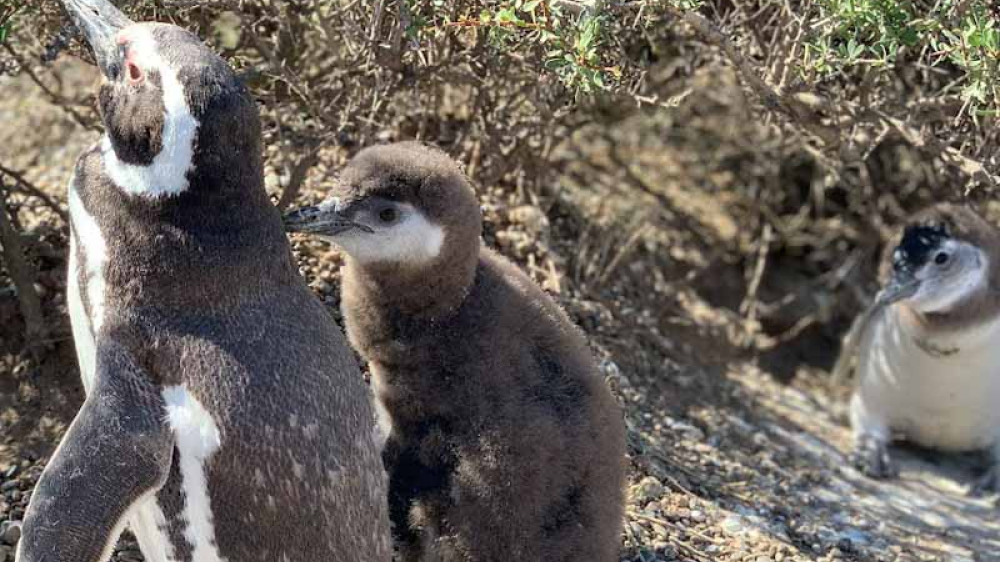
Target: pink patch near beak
(123, 37)
(135, 73)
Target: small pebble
(10, 532)
(647, 490)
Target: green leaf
(587, 35)
(506, 15)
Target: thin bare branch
(24, 186)
(810, 121)
(21, 272)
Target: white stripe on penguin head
(167, 175)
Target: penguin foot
(871, 458)
(987, 484)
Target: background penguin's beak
(902, 285)
(100, 21)
(320, 219)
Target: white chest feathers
(149, 525)
(86, 242)
(197, 438)
(937, 393)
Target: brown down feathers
(506, 444)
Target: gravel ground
(728, 463)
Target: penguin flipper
(116, 453)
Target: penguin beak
(100, 21)
(902, 285)
(324, 219)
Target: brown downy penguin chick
(503, 441)
(929, 355)
(225, 418)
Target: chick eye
(387, 215)
(941, 258)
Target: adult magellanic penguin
(225, 418)
(503, 441)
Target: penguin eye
(941, 258)
(388, 215)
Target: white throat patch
(167, 175)
(197, 438)
(966, 285)
(414, 240)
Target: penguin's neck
(199, 247)
(429, 293)
(964, 321)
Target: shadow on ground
(737, 438)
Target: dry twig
(811, 122)
(24, 186)
(20, 270)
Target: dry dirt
(738, 454)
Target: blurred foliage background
(704, 185)
(856, 112)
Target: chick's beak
(902, 285)
(324, 219)
(100, 21)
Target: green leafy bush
(958, 37)
(499, 84)
(857, 111)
